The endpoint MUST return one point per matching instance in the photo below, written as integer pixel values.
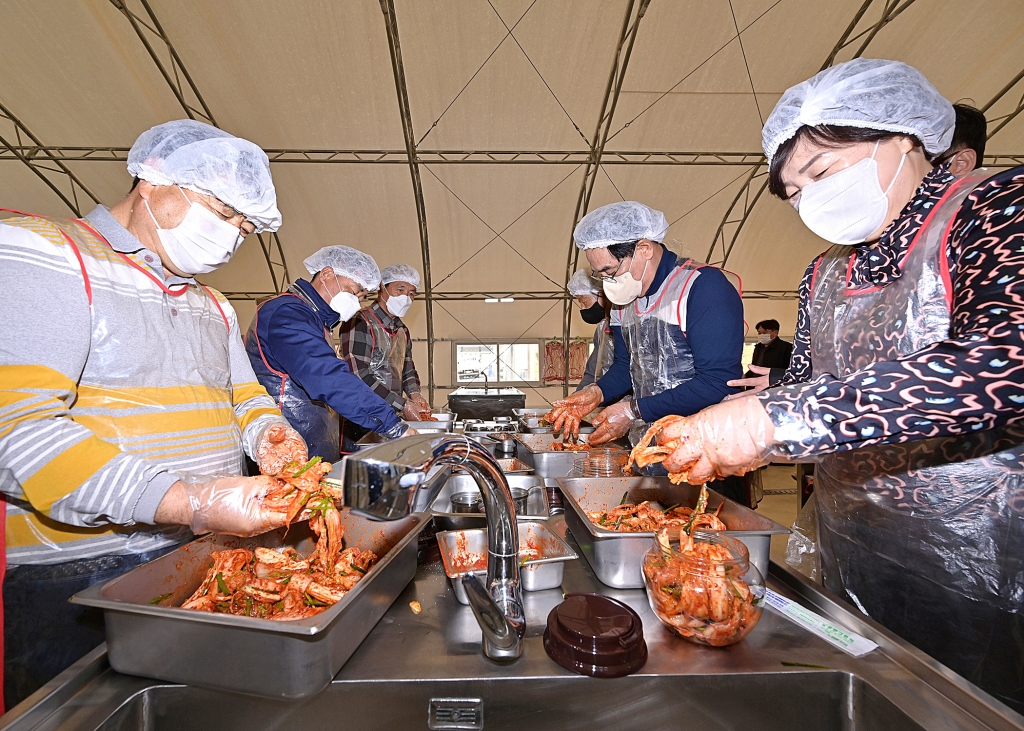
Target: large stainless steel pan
(616, 557)
(257, 656)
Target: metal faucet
(381, 483)
(486, 382)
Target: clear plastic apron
(660, 355)
(317, 422)
(605, 350)
(926, 537)
(387, 357)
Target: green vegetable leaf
(248, 605)
(313, 602)
(310, 463)
(625, 497)
(161, 598)
(222, 587)
(358, 568)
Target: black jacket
(775, 354)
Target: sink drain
(456, 713)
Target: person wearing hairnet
(677, 326)
(907, 379)
(289, 346)
(591, 302)
(127, 404)
(378, 347)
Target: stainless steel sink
(784, 701)
(425, 671)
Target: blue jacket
(292, 336)
(714, 331)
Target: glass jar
(709, 594)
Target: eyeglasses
(610, 279)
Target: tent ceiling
(523, 76)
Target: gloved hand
(418, 398)
(759, 383)
(412, 411)
(730, 438)
(232, 505)
(278, 445)
(613, 422)
(565, 414)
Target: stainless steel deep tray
(294, 659)
(445, 519)
(616, 557)
(535, 450)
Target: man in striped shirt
(126, 397)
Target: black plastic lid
(595, 635)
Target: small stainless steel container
(520, 497)
(445, 518)
(535, 450)
(616, 557)
(467, 502)
(513, 466)
(465, 552)
(293, 659)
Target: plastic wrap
(802, 552)
(566, 414)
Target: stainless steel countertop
(443, 643)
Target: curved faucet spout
(381, 482)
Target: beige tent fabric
(317, 74)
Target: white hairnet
(400, 273)
(620, 223)
(346, 262)
(581, 283)
(208, 160)
(868, 93)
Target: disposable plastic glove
(418, 398)
(565, 414)
(412, 411)
(613, 422)
(730, 438)
(755, 384)
(278, 445)
(232, 505)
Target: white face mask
(345, 304)
(201, 242)
(625, 288)
(399, 305)
(764, 338)
(849, 206)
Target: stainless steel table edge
(969, 697)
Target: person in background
(771, 351)
(677, 325)
(127, 404)
(289, 346)
(967, 150)
(593, 312)
(905, 384)
(377, 345)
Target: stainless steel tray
(513, 466)
(257, 656)
(535, 574)
(445, 519)
(616, 557)
(535, 450)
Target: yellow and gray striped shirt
(113, 381)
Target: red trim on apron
(259, 347)
(74, 248)
(3, 573)
(944, 263)
(217, 304)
